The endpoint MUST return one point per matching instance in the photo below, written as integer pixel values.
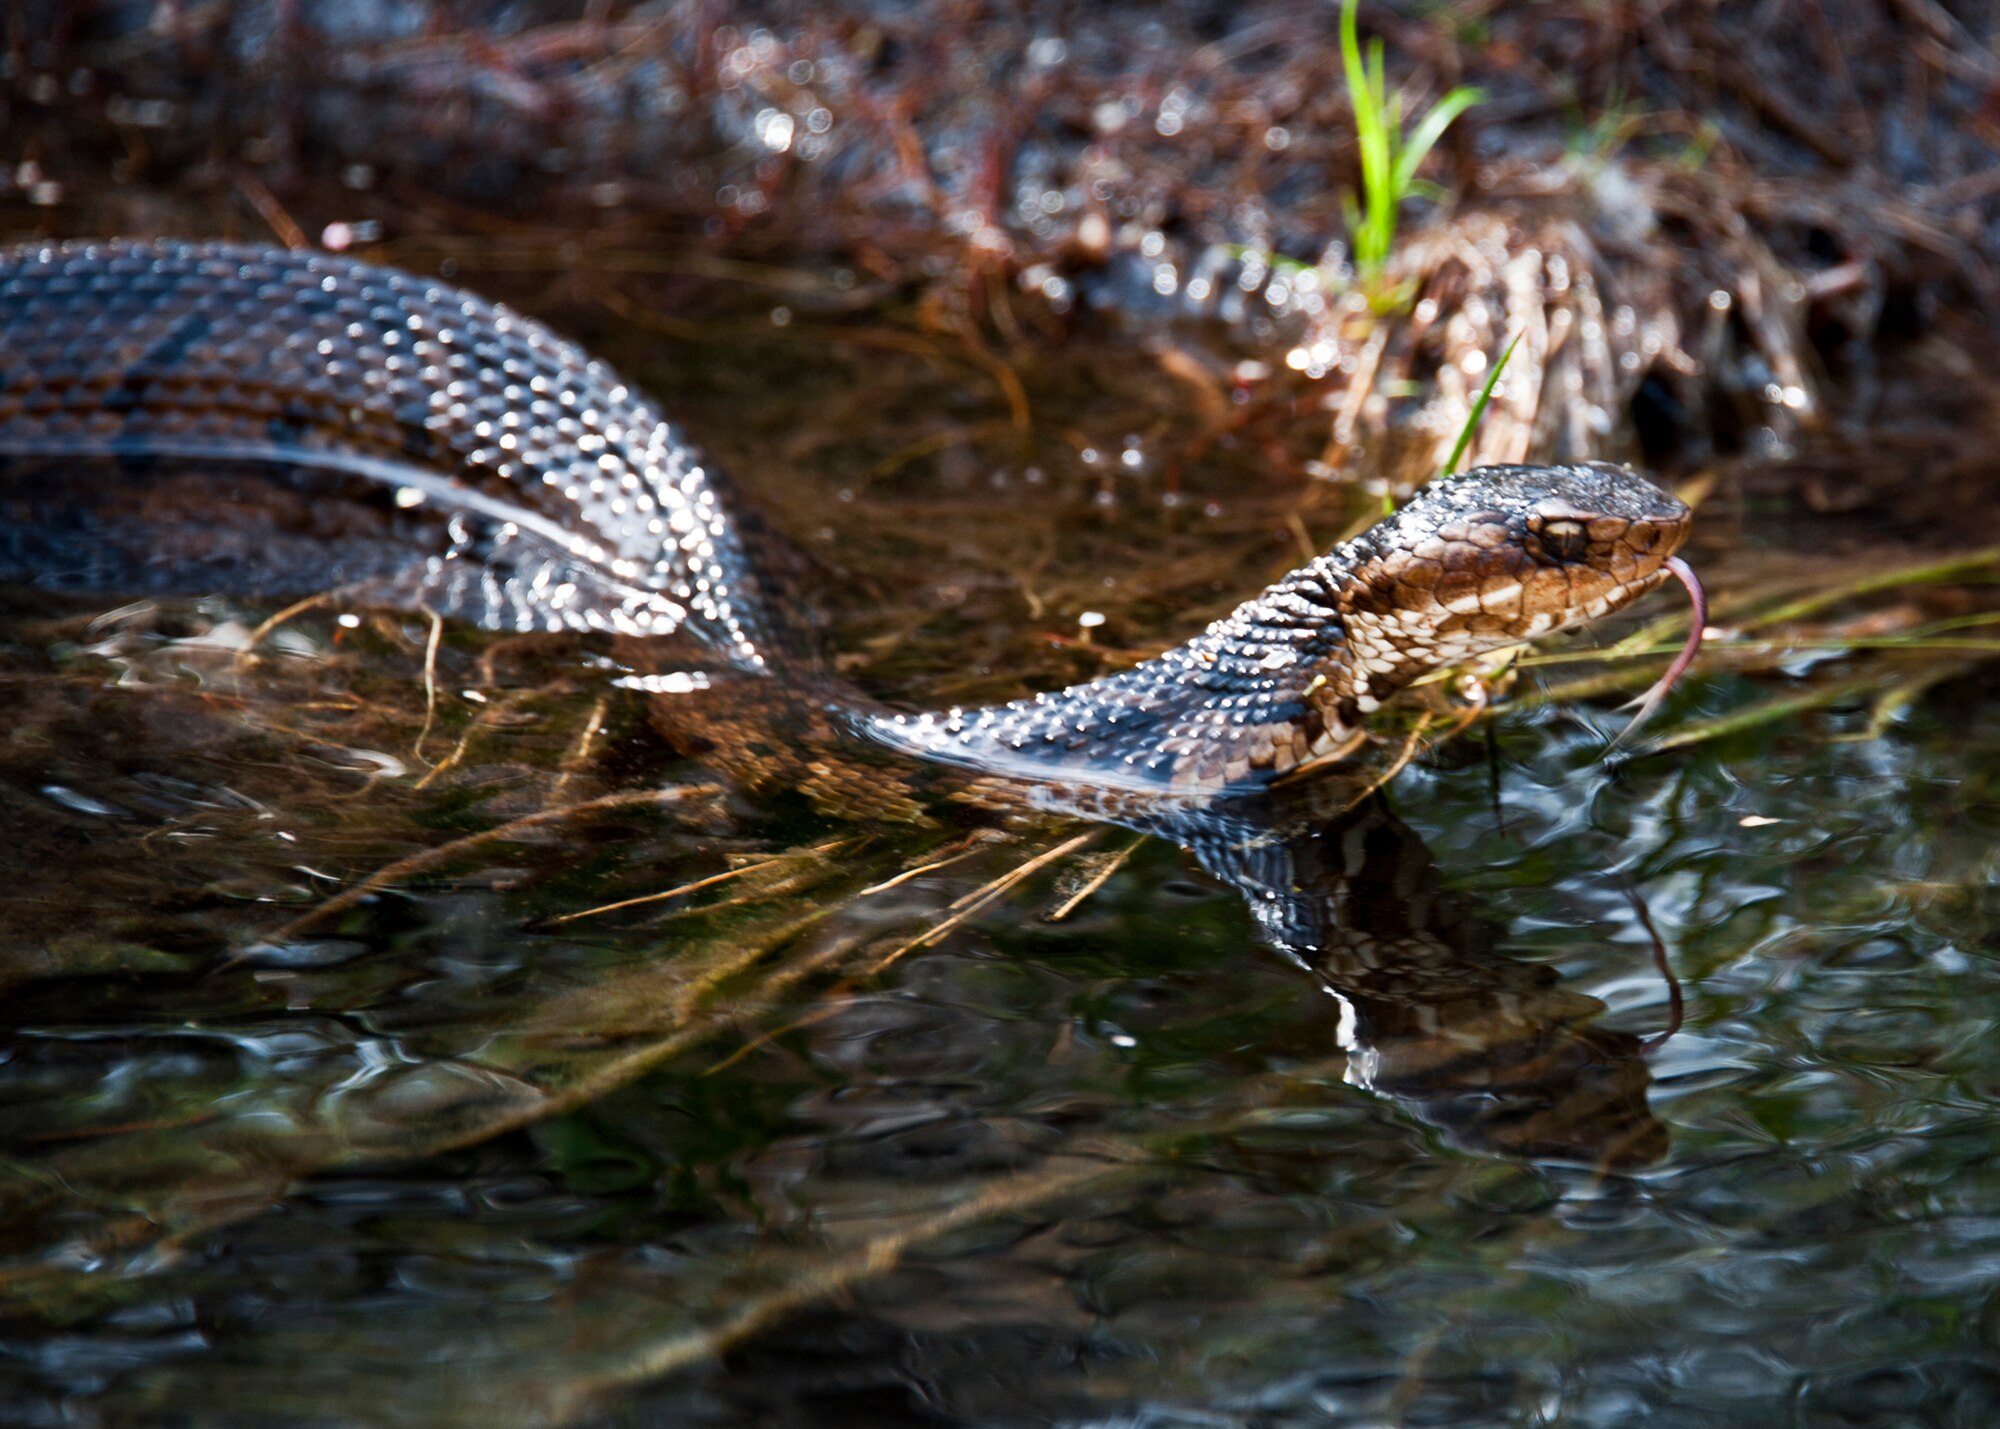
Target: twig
(431, 857)
(1097, 880)
(695, 887)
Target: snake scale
(492, 471)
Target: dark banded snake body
(408, 443)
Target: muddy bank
(1707, 223)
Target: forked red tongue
(1650, 701)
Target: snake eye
(1565, 540)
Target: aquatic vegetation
(1878, 661)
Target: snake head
(1491, 558)
(1497, 556)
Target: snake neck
(1283, 680)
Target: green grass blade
(1927, 572)
(1761, 713)
(1350, 57)
(1478, 409)
(1431, 129)
(1388, 159)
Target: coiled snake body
(495, 472)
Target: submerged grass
(1764, 632)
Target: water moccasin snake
(495, 472)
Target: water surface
(335, 1091)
